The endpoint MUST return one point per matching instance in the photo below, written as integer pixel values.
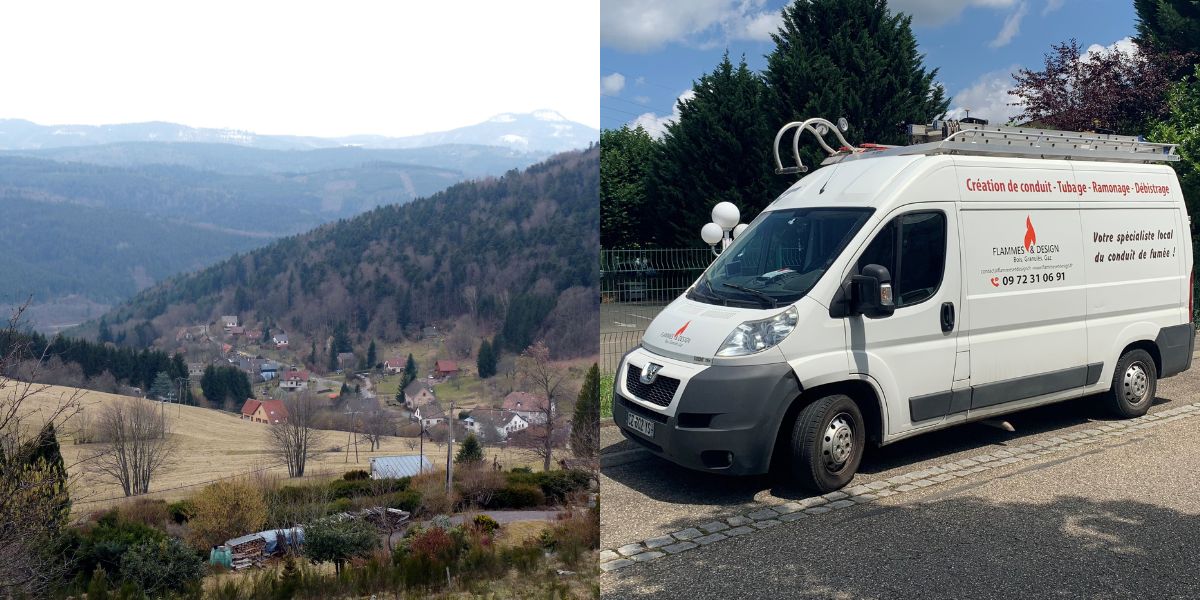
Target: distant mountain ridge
(539, 131)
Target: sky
(298, 67)
(652, 50)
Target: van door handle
(947, 316)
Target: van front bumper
(722, 419)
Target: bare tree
(375, 425)
(545, 380)
(135, 444)
(31, 494)
(295, 440)
(471, 295)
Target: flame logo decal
(1030, 234)
(682, 329)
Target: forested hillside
(518, 252)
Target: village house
(418, 393)
(237, 330)
(229, 321)
(511, 425)
(394, 364)
(531, 408)
(386, 467)
(294, 380)
(195, 370)
(265, 411)
(347, 361)
(445, 368)
(268, 370)
(226, 348)
(280, 340)
(429, 414)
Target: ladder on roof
(956, 137)
(992, 140)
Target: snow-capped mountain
(539, 131)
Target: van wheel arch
(1150, 347)
(861, 391)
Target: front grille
(660, 393)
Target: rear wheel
(1134, 384)
(827, 443)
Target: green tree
(470, 453)
(1182, 127)
(625, 156)
(486, 361)
(162, 386)
(410, 371)
(45, 456)
(162, 566)
(104, 335)
(1165, 26)
(853, 59)
(719, 150)
(585, 423)
(371, 356)
(332, 366)
(333, 540)
(312, 356)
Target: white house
(229, 321)
(294, 380)
(531, 408)
(280, 340)
(512, 424)
(429, 414)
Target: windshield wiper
(765, 297)
(711, 294)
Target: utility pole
(353, 422)
(450, 449)
(421, 437)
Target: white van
(906, 289)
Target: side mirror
(871, 292)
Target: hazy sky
(298, 67)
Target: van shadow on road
(664, 481)
(1070, 547)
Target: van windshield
(779, 257)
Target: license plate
(640, 424)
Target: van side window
(919, 241)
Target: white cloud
(934, 13)
(987, 98)
(1125, 45)
(646, 25)
(612, 84)
(1052, 5)
(1011, 27)
(642, 99)
(640, 80)
(655, 125)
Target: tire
(827, 443)
(1134, 384)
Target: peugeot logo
(650, 373)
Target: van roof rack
(980, 139)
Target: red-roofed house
(294, 380)
(530, 407)
(394, 364)
(445, 368)
(265, 411)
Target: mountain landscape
(507, 251)
(99, 213)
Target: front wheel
(827, 443)
(1134, 384)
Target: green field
(467, 392)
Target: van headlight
(756, 336)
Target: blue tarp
(292, 537)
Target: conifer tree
(470, 453)
(585, 423)
(849, 58)
(624, 165)
(371, 355)
(486, 362)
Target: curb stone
(774, 515)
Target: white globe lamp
(726, 215)
(739, 229)
(711, 233)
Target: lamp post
(724, 227)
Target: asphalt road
(1112, 519)
(628, 316)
